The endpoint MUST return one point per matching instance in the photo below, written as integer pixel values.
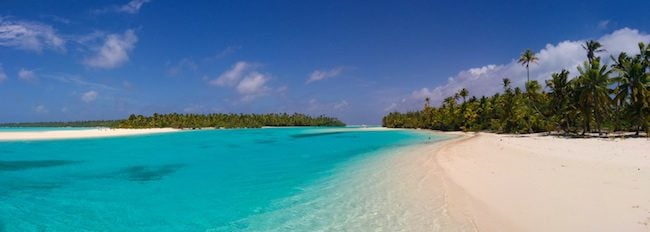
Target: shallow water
(298, 179)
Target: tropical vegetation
(182, 121)
(600, 98)
(175, 120)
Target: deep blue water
(209, 180)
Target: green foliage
(594, 97)
(175, 120)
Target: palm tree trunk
(566, 130)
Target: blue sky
(82, 60)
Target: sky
(356, 60)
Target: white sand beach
(85, 133)
(544, 183)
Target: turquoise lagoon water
(282, 179)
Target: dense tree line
(600, 98)
(175, 120)
(95, 123)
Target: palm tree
(632, 90)
(526, 58)
(559, 86)
(450, 102)
(592, 47)
(506, 83)
(593, 93)
(533, 88)
(463, 93)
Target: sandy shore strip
(545, 183)
(73, 134)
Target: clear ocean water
(272, 179)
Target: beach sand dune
(544, 183)
(71, 134)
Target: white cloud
(29, 36)
(132, 7)
(245, 79)
(3, 75)
(26, 75)
(319, 75)
(421, 94)
(341, 105)
(232, 76)
(253, 85)
(623, 40)
(41, 109)
(114, 52)
(89, 96)
(487, 80)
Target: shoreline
(6, 136)
(546, 183)
(78, 134)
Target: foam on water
(297, 179)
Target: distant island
(184, 121)
(602, 98)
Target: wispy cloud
(319, 75)
(41, 109)
(27, 75)
(227, 51)
(245, 79)
(185, 64)
(31, 36)
(132, 7)
(89, 96)
(114, 51)
(317, 107)
(341, 105)
(603, 24)
(77, 80)
(233, 75)
(486, 80)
